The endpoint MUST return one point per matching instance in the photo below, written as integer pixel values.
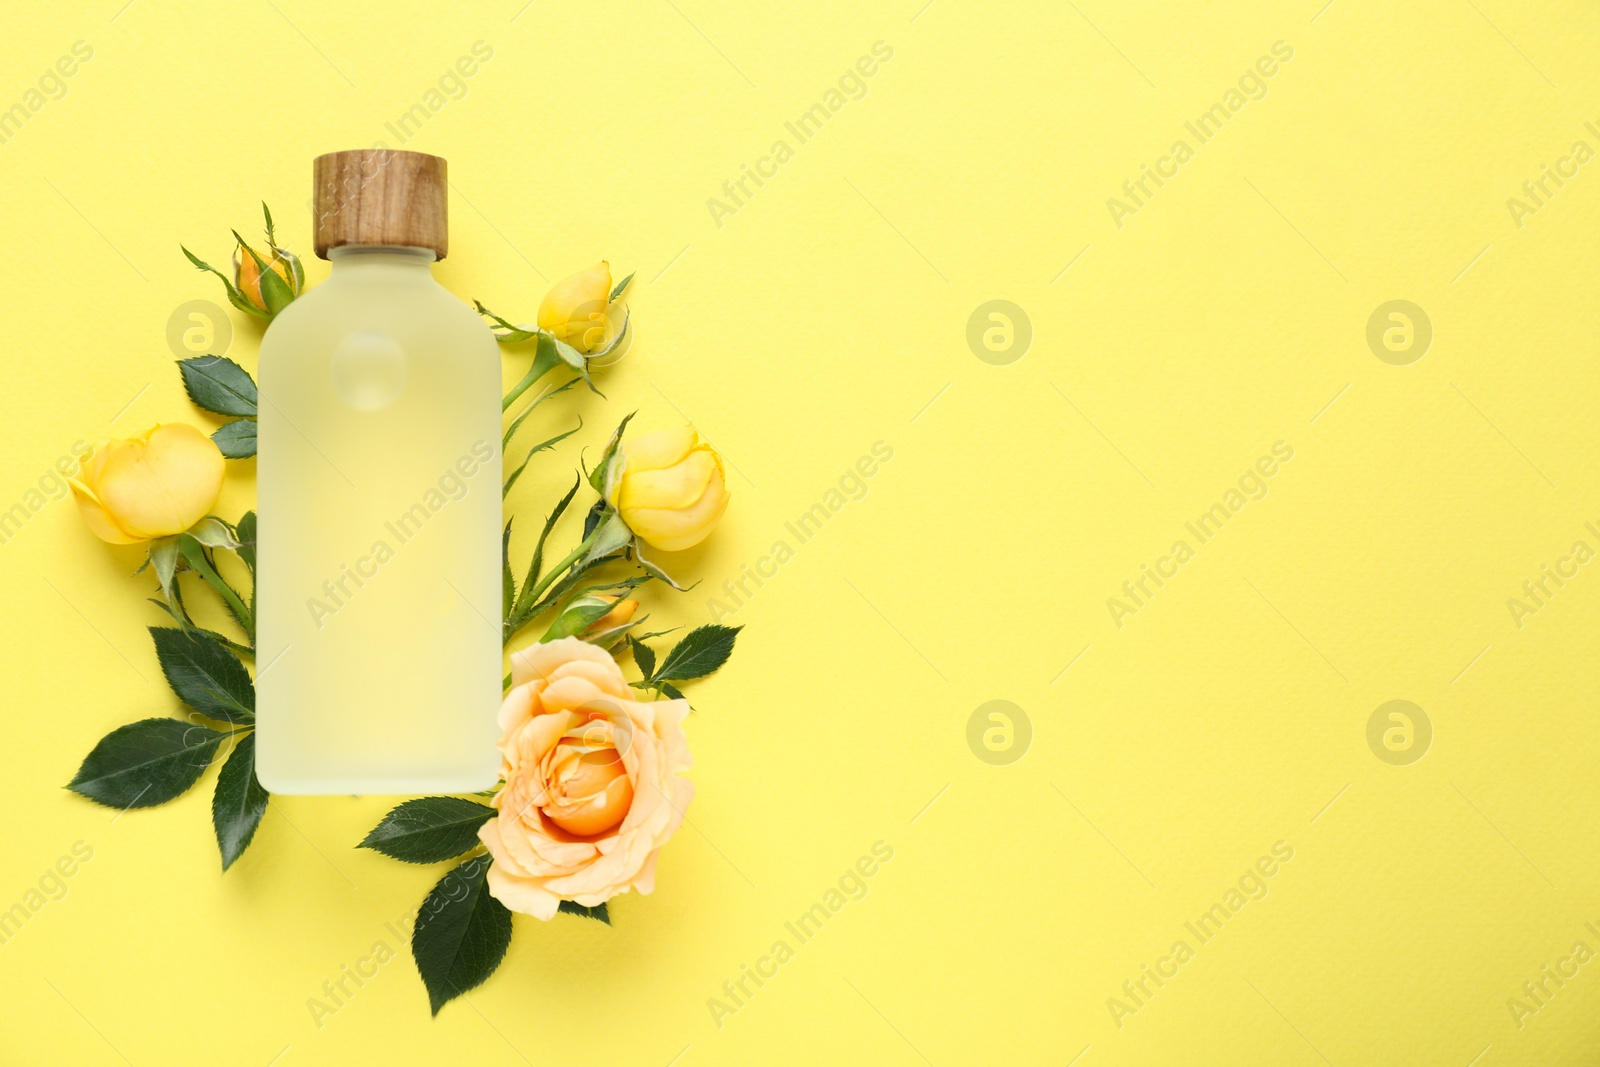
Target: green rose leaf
(461, 934)
(536, 565)
(655, 571)
(644, 656)
(164, 557)
(239, 801)
(213, 533)
(429, 830)
(602, 479)
(237, 439)
(703, 650)
(597, 912)
(206, 676)
(507, 332)
(606, 356)
(218, 384)
(235, 297)
(516, 423)
(177, 617)
(508, 581)
(568, 355)
(540, 447)
(612, 636)
(247, 540)
(521, 609)
(146, 763)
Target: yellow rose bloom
(154, 485)
(574, 309)
(672, 490)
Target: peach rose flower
(593, 786)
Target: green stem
(522, 614)
(544, 583)
(543, 363)
(241, 613)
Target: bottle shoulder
(339, 306)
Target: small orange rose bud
(597, 617)
(615, 617)
(247, 274)
(263, 284)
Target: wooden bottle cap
(378, 196)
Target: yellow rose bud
(574, 309)
(673, 488)
(247, 275)
(154, 485)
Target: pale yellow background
(826, 314)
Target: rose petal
(526, 895)
(540, 660)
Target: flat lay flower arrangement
(592, 763)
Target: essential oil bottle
(378, 552)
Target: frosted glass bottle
(378, 551)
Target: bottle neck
(357, 259)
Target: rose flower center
(590, 792)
